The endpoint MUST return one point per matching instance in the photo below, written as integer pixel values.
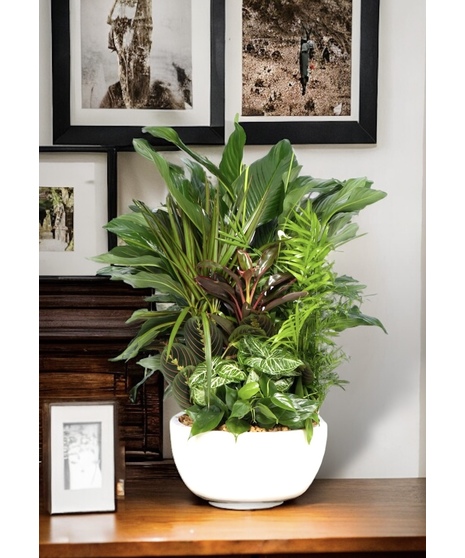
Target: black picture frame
(361, 131)
(65, 133)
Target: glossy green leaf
(354, 318)
(180, 391)
(237, 426)
(147, 333)
(265, 412)
(309, 429)
(240, 409)
(230, 370)
(264, 419)
(267, 386)
(248, 390)
(152, 362)
(231, 160)
(157, 316)
(230, 396)
(172, 136)
(206, 420)
(265, 191)
(355, 194)
(151, 365)
(283, 401)
(275, 364)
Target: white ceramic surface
(258, 470)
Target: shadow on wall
(353, 414)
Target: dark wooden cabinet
(82, 326)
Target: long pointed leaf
(231, 160)
(172, 136)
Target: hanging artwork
(120, 65)
(77, 197)
(303, 70)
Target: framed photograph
(77, 197)
(305, 71)
(120, 65)
(80, 453)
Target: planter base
(245, 505)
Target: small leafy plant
(240, 257)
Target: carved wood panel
(82, 326)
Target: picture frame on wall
(175, 74)
(80, 440)
(308, 73)
(77, 197)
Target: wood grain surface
(161, 517)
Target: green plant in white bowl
(240, 257)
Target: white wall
(377, 425)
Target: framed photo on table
(120, 65)
(307, 72)
(80, 441)
(77, 197)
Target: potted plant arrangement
(249, 308)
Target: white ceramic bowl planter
(247, 473)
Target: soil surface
(272, 33)
(185, 419)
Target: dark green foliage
(243, 262)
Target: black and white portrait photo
(136, 54)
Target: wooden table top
(161, 517)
